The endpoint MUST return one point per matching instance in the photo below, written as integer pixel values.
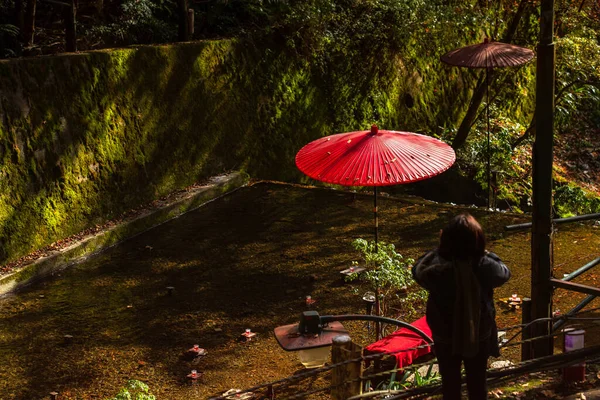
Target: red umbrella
(488, 55)
(374, 158)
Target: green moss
(88, 136)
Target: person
(460, 276)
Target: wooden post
(345, 379)
(70, 13)
(190, 23)
(541, 237)
(29, 24)
(182, 12)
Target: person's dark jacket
(436, 274)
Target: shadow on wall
(88, 136)
(449, 187)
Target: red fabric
(403, 338)
(374, 158)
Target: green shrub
(570, 200)
(134, 390)
(387, 273)
(137, 24)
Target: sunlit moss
(91, 135)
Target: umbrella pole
(376, 219)
(489, 155)
(377, 303)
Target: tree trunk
(470, 116)
(29, 23)
(514, 23)
(100, 8)
(70, 14)
(182, 12)
(529, 132)
(18, 15)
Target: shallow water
(243, 261)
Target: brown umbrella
(488, 55)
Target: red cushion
(402, 339)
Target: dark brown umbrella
(488, 55)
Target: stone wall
(85, 137)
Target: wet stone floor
(246, 260)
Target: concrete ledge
(159, 213)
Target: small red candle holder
(197, 351)
(194, 375)
(248, 335)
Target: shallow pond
(246, 260)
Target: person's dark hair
(462, 239)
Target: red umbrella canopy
(488, 55)
(374, 158)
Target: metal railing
(271, 390)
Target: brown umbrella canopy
(488, 55)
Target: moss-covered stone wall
(84, 137)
